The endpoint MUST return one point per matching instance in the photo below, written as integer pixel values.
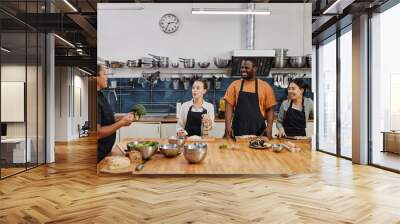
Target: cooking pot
(309, 60)
(188, 63)
(221, 63)
(116, 64)
(281, 59)
(298, 61)
(175, 64)
(162, 62)
(134, 63)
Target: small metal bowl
(146, 152)
(277, 148)
(170, 150)
(180, 141)
(175, 64)
(195, 153)
(203, 64)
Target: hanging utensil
(286, 82)
(218, 82)
(186, 84)
(175, 84)
(131, 82)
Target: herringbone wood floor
(70, 192)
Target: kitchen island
(164, 126)
(242, 161)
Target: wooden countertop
(220, 161)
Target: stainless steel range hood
(250, 40)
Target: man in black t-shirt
(107, 123)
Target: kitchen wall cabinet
(141, 130)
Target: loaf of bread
(117, 162)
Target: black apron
(193, 122)
(295, 121)
(248, 119)
(105, 116)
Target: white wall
(80, 103)
(128, 34)
(14, 73)
(62, 82)
(33, 127)
(288, 26)
(69, 82)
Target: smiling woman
(196, 112)
(295, 111)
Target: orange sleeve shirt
(266, 96)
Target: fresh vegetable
(132, 145)
(150, 143)
(223, 146)
(232, 146)
(139, 110)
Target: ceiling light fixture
(119, 6)
(84, 71)
(337, 7)
(5, 50)
(65, 41)
(70, 5)
(215, 11)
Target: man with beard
(252, 101)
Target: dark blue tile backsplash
(162, 98)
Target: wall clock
(169, 23)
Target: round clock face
(169, 23)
